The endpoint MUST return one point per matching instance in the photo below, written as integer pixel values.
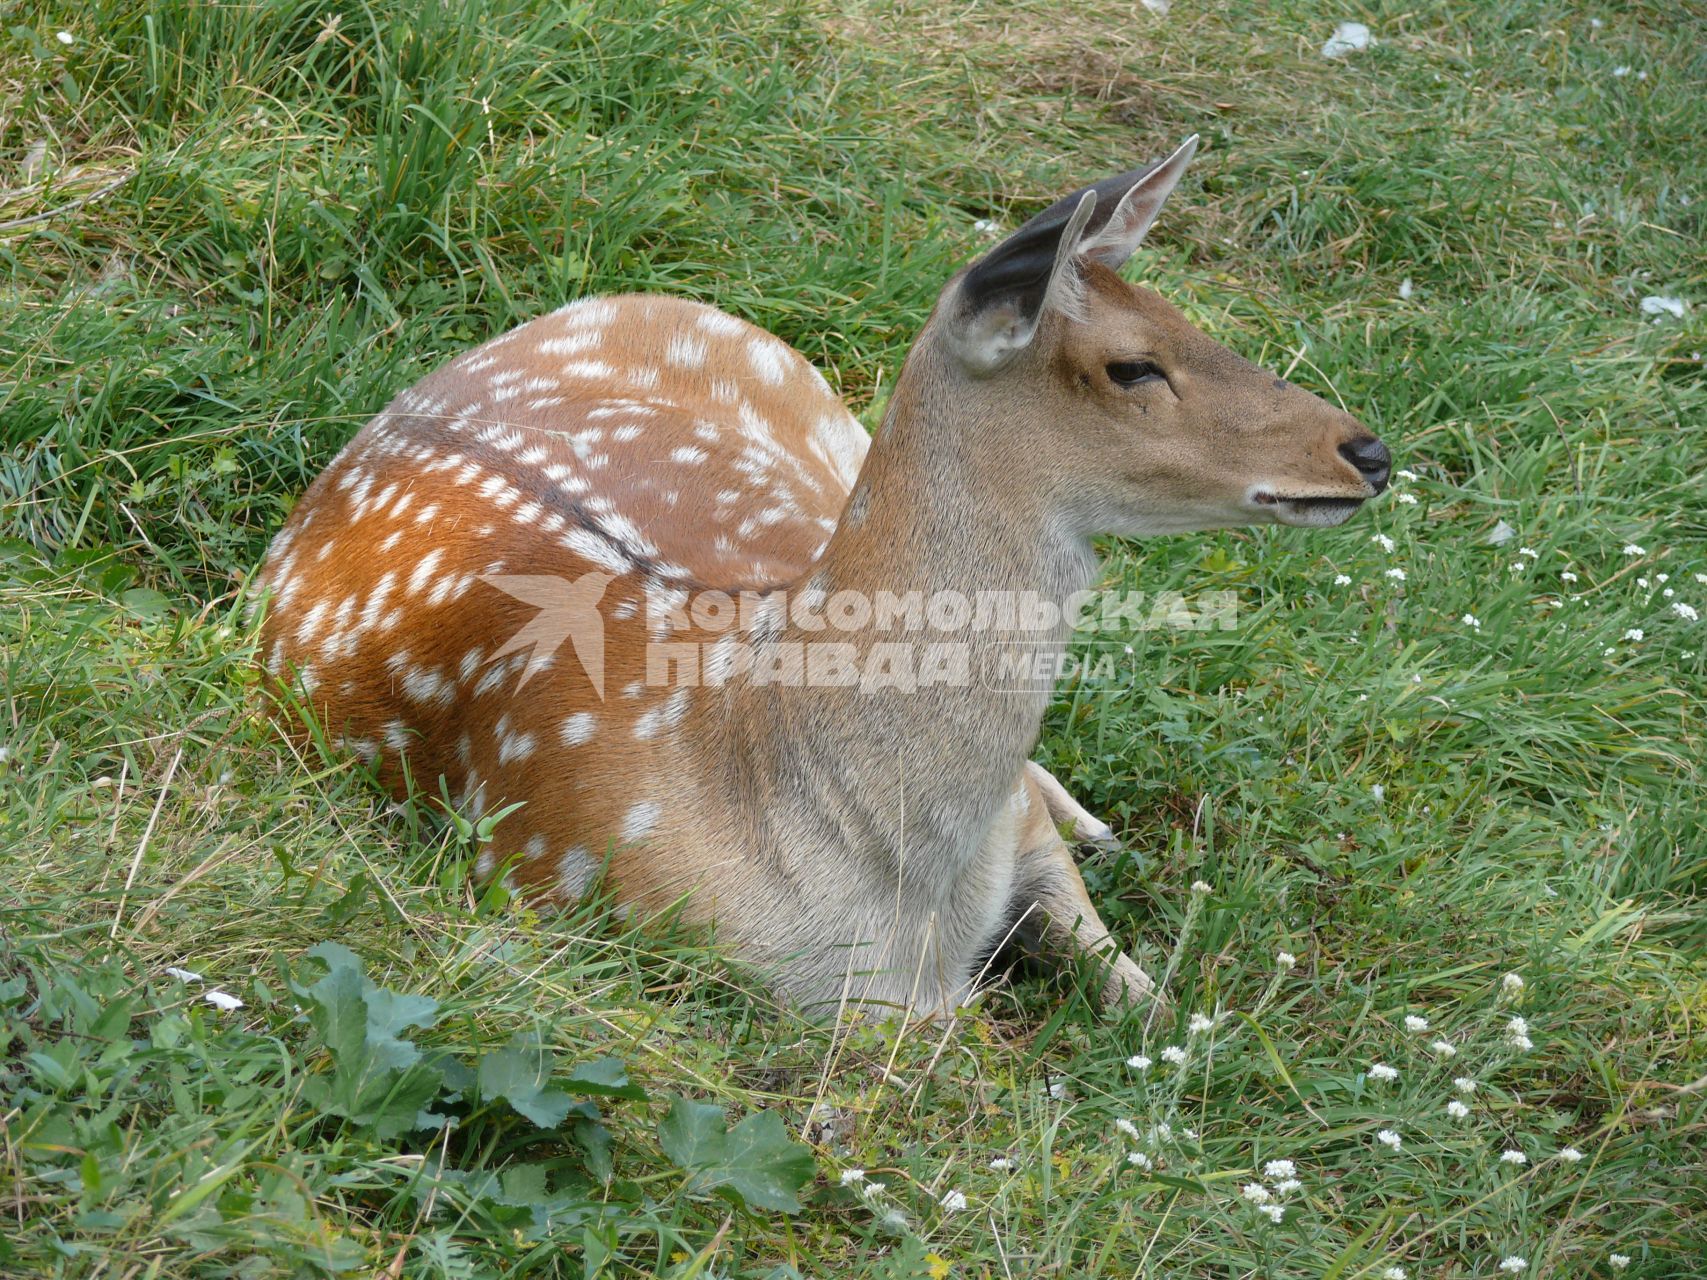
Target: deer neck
(945, 506)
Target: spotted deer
(480, 586)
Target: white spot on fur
(640, 820)
(579, 728)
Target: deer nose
(1371, 459)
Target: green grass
(320, 202)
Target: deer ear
(1002, 297)
(1120, 234)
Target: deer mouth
(1319, 513)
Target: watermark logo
(906, 641)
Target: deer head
(1132, 420)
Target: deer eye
(1129, 373)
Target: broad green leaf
(756, 1160)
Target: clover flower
(1255, 1192)
(1511, 1155)
(1634, 633)
(1138, 1062)
(1279, 1169)
(1457, 1110)
(1285, 959)
(1199, 1023)
(1511, 984)
(1685, 611)
(852, 1177)
(1393, 1273)
(1174, 1054)
(1397, 575)
(1444, 1048)
(1567, 576)
(1387, 1138)
(1273, 1212)
(1618, 1260)
(1472, 621)
(1127, 1127)
(1384, 542)
(1342, 579)
(953, 1202)
(1570, 1155)
(1381, 1071)
(1409, 499)
(1002, 1164)
(1415, 1022)
(1139, 1160)
(1200, 886)
(1514, 1264)
(1286, 1186)
(1464, 1084)
(1631, 549)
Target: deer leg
(1063, 809)
(1057, 919)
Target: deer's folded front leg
(1055, 914)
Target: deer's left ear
(1119, 237)
(1001, 299)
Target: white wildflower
(1387, 1138)
(1381, 1071)
(1444, 1048)
(1570, 1155)
(953, 1202)
(1163, 1132)
(1642, 583)
(986, 226)
(1567, 576)
(1140, 1160)
(1634, 633)
(1002, 1164)
(1377, 792)
(1200, 886)
(1393, 1273)
(1464, 1084)
(1618, 1260)
(1348, 37)
(1285, 959)
(1058, 1089)
(1286, 1186)
(1279, 1169)
(1138, 1062)
(1457, 1110)
(1415, 1022)
(852, 1177)
(1342, 579)
(1273, 1212)
(1472, 621)
(1397, 575)
(222, 1000)
(1405, 291)
(1255, 1192)
(1620, 71)
(1405, 474)
(1531, 552)
(1384, 542)
(1199, 1023)
(1701, 578)
(1127, 1127)
(1511, 984)
(1407, 499)
(1631, 549)
(1511, 1155)
(1174, 1054)
(1514, 1264)
(66, 38)
(1685, 611)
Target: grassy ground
(231, 232)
